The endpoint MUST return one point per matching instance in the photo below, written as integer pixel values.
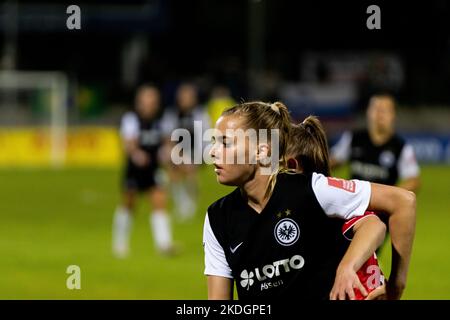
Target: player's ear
(292, 163)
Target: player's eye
(226, 142)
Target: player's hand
(378, 293)
(344, 284)
(140, 158)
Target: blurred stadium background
(62, 93)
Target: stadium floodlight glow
(57, 84)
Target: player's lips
(217, 168)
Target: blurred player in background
(142, 137)
(378, 154)
(183, 177)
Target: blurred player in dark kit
(142, 138)
(378, 154)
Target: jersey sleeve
(407, 163)
(215, 261)
(341, 198)
(168, 123)
(341, 150)
(129, 126)
(347, 227)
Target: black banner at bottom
(198, 309)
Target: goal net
(35, 100)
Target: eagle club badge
(286, 232)
(387, 159)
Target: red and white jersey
(370, 273)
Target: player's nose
(212, 151)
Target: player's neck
(254, 191)
(380, 137)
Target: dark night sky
(196, 36)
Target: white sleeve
(168, 123)
(215, 261)
(129, 126)
(341, 150)
(340, 198)
(407, 163)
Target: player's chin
(224, 180)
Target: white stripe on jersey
(407, 164)
(342, 149)
(215, 262)
(129, 126)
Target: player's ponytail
(308, 145)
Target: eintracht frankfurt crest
(287, 232)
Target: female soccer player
(142, 138)
(308, 152)
(274, 234)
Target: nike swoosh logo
(233, 250)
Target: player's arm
(137, 155)
(400, 205)
(408, 168)
(368, 234)
(220, 288)
(348, 199)
(340, 152)
(217, 270)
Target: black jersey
(148, 133)
(293, 247)
(384, 164)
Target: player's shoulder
(169, 112)
(359, 133)
(129, 116)
(222, 206)
(222, 211)
(398, 140)
(199, 111)
(290, 177)
(294, 183)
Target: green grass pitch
(50, 219)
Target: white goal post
(58, 86)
